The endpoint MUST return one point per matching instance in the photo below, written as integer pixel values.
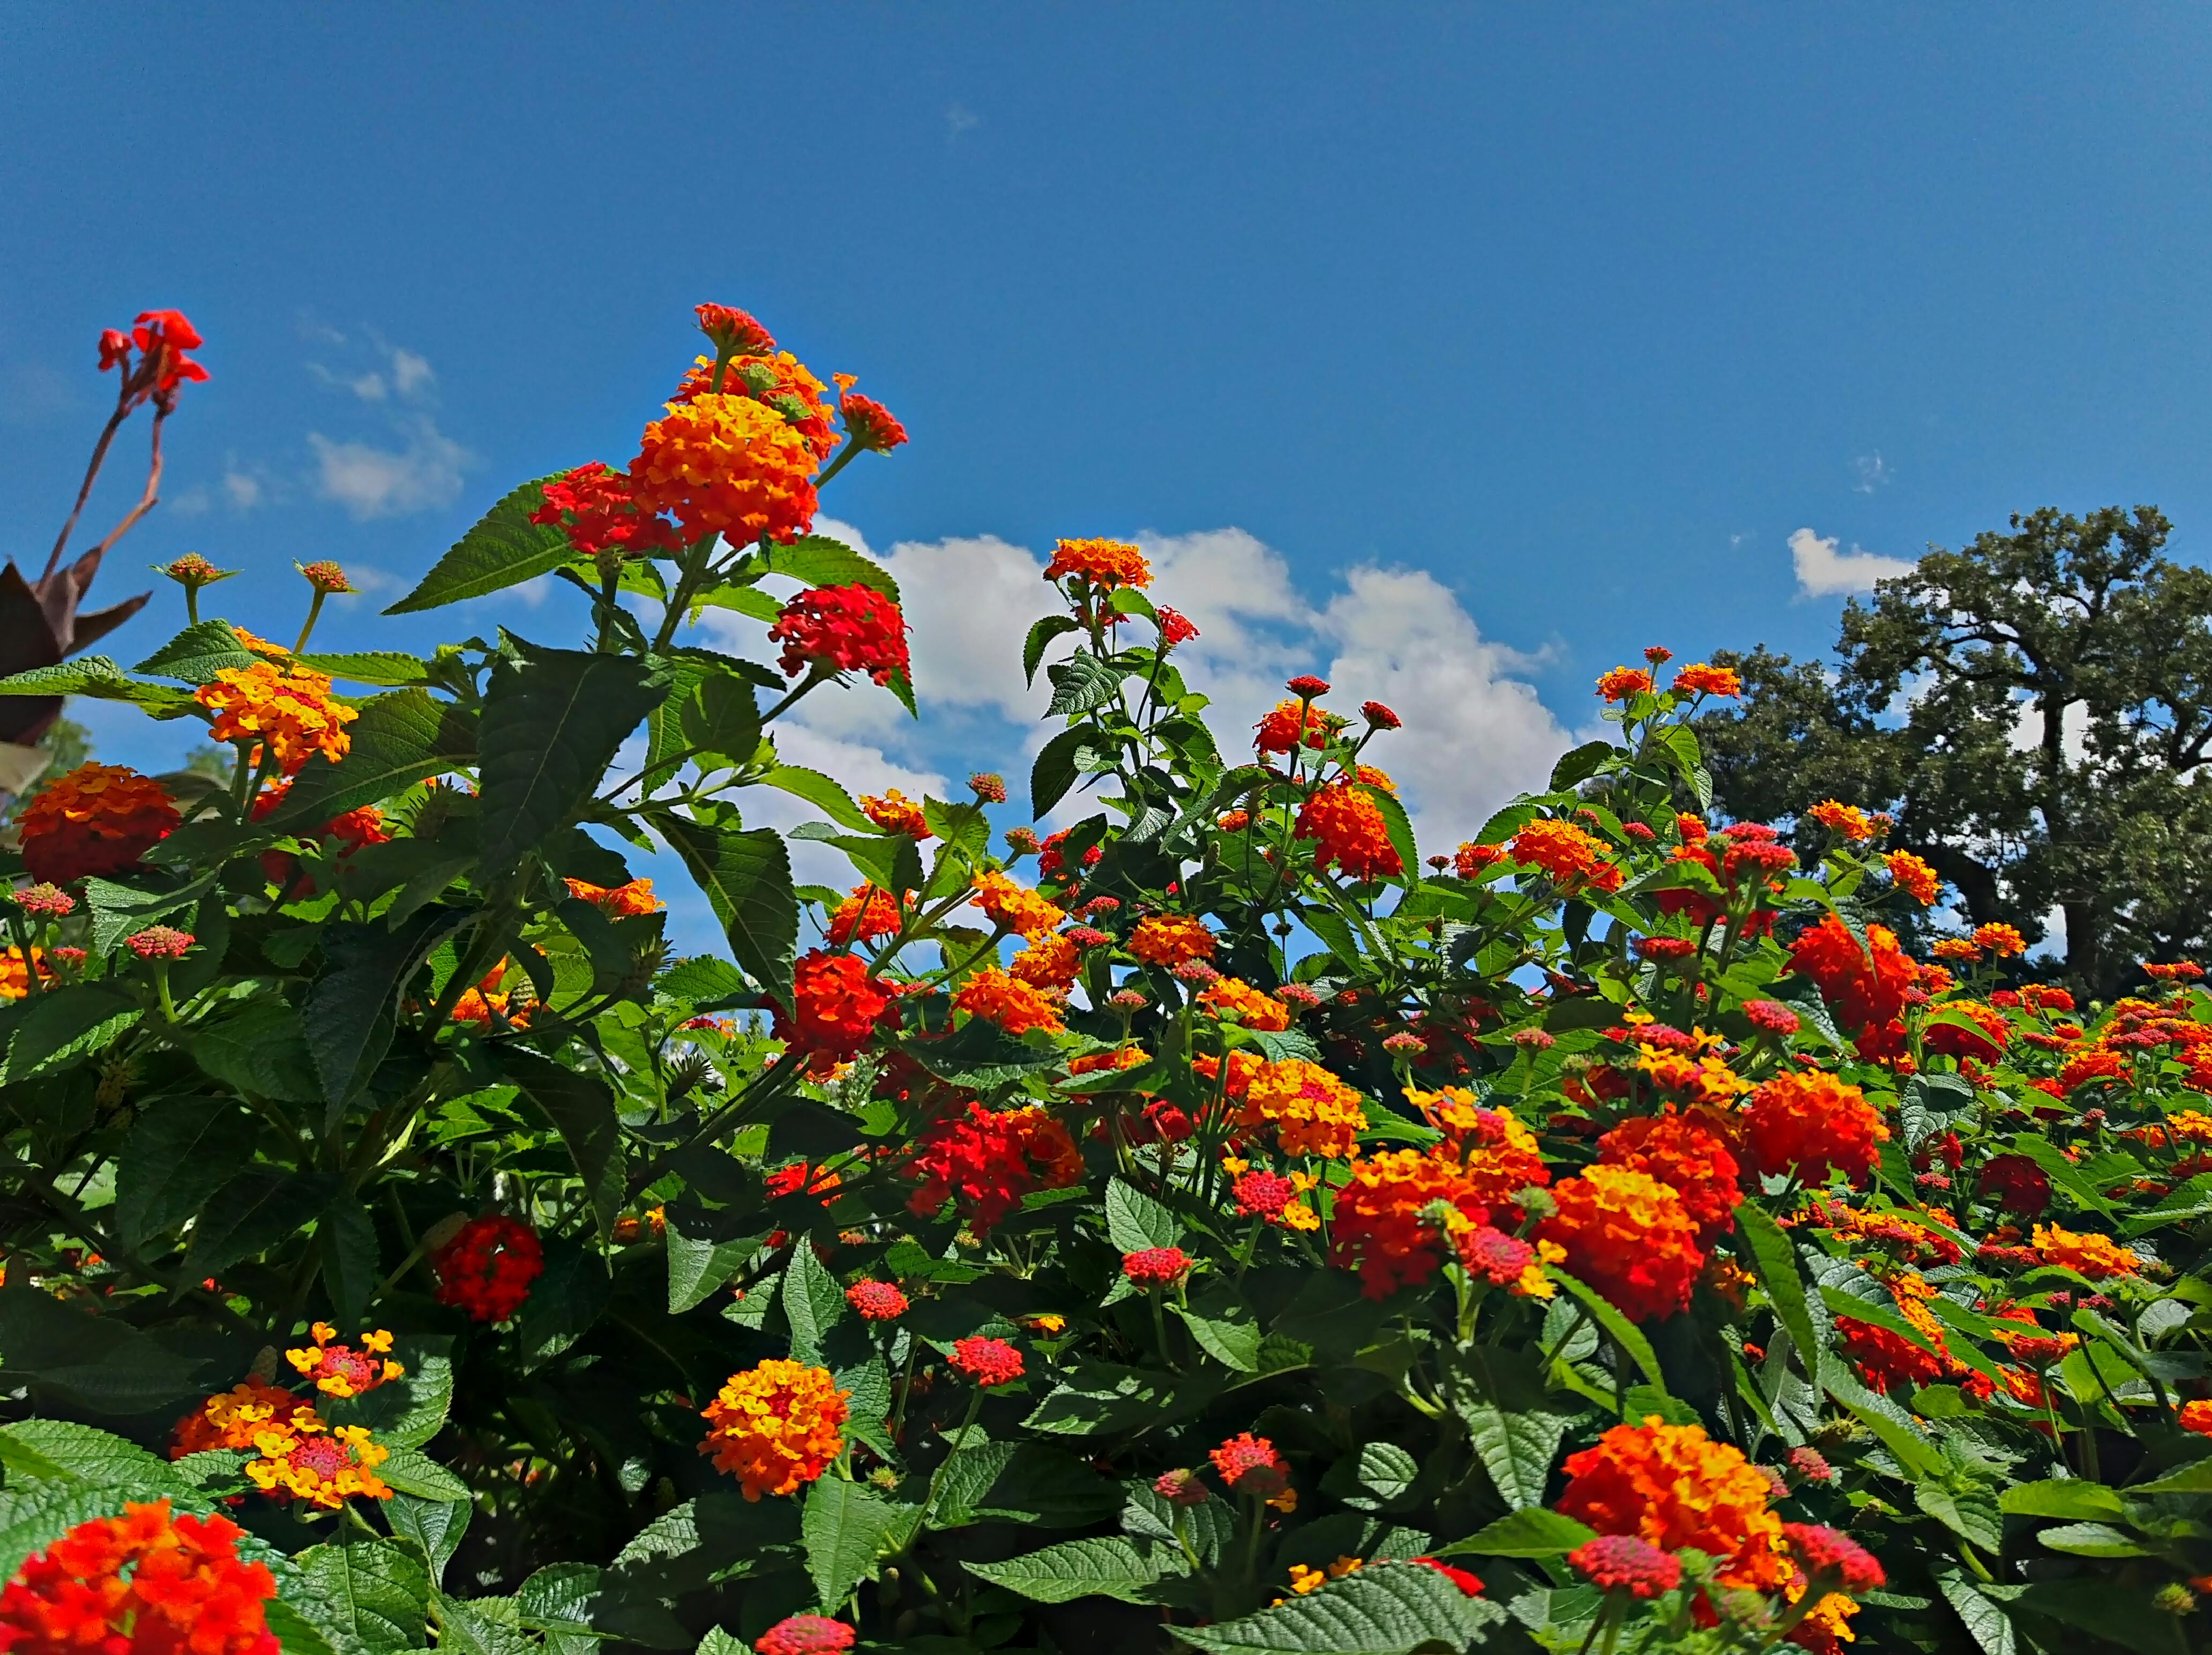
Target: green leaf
(1103, 1566)
(436, 1526)
(843, 1527)
(705, 1249)
(1385, 1608)
(1533, 1531)
(819, 791)
(406, 1412)
(818, 560)
(254, 1212)
(1095, 1397)
(180, 1152)
(564, 1304)
(1578, 766)
(351, 1263)
(100, 679)
(1081, 684)
(350, 1011)
(1775, 1257)
(2091, 1540)
(35, 1515)
(504, 549)
(1516, 1447)
(413, 1472)
(746, 877)
(1985, 1622)
(813, 1303)
(1626, 1333)
(260, 1048)
(1053, 771)
(61, 1450)
(1040, 635)
(63, 1028)
(368, 1596)
(549, 729)
(721, 716)
(2194, 1478)
(474, 1628)
(582, 1109)
(400, 738)
(197, 654)
(98, 1363)
(1880, 1416)
(1038, 1486)
(1225, 1327)
(1135, 1222)
(387, 669)
(2061, 1497)
(1968, 1511)
(1400, 827)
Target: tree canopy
(2035, 711)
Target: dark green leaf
(581, 1109)
(746, 877)
(844, 1528)
(1053, 771)
(1135, 1222)
(1081, 684)
(197, 654)
(818, 560)
(259, 1048)
(101, 680)
(436, 1526)
(351, 1264)
(180, 1152)
(1775, 1257)
(1105, 1565)
(63, 1028)
(1041, 635)
(720, 716)
(99, 1363)
(1626, 1333)
(406, 1412)
(503, 548)
(1385, 1608)
(813, 1303)
(551, 728)
(819, 791)
(254, 1212)
(705, 1249)
(350, 1011)
(1533, 1532)
(400, 738)
(413, 1472)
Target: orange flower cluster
(867, 914)
(894, 812)
(144, 1581)
(1312, 1111)
(2086, 1253)
(1629, 1237)
(1888, 1361)
(325, 1468)
(1234, 997)
(1347, 829)
(1691, 1155)
(1289, 723)
(1699, 679)
(1706, 1078)
(237, 1418)
(1985, 1042)
(1914, 876)
(778, 381)
(16, 976)
(97, 820)
(1867, 986)
(1105, 564)
(1498, 1156)
(286, 710)
(1815, 1124)
(775, 1426)
(1624, 684)
(987, 1162)
(833, 1009)
(1573, 860)
(339, 1369)
(999, 997)
(2001, 940)
(1380, 1227)
(619, 901)
(1673, 1487)
(727, 463)
(1015, 907)
(1470, 860)
(1048, 962)
(1849, 820)
(1170, 940)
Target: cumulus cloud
(424, 472)
(1823, 571)
(1476, 732)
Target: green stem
(929, 1503)
(314, 611)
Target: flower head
(1234, 997)
(618, 901)
(96, 820)
(894, 812)
(842, 628)
(1691, 1155)
(834, 1007)
(599, 510)
(1847, 820)
(287, 711)
(733, 331)
(486, 1269)
(1393, 1218)
(1156, 1267)
(805, 1634)
(1673, 1487)
(1623, 1563)
(872, 427)
(143, 1581)
(1181, 1487)
(323, 1467)
(989, 1362)
(1866, 985)
(1312, 1111)
(1347, 828)
(1772, 1017)
(45, 901)
(1628, 1236)
(1175, 627)
(1914, 876)
(1168, 940)
(775, 1426)
(339, 1369)
(1289, 723)
(2086, 1253)
(160, 942)
(1574, 860)
(1251, 1465)
(193, 571)
(877, 1301)
(2001, 940)
(1624, 684)
(327, 578)
(1699, 679)
(1013, 906)
(1816, 1124)
(237, 1418)
(998, 996)
(990, 786)
(1380, 715)
(987, 1162)
(1102, 563)
(1834, 1558)
(728, 462)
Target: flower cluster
(986, 1161)
(97, 820)
(147, 1581)
(286, 710)
(775, 1426)
(486, 1269)
(841, 629)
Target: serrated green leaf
(1135, 1222)
(369, 1597)
(257, 1210)
(260, 1048)
(819, 791)
(1082, 684)
(1385, 1608)
(502, 549)
(1985, 1621)
(844, 1527)
(196, 655)
(63, 1450)
(1039, 636)
(406, 1412)
(400, 738)
(1052, 773)
(582, 1109)
(1533, 1531)
(180, 1152)
(2060, 1497)
(349, 1012)
(705, 1249)
(99, 678)
(719, 714)
(818, 560)
(436, 1526)
(812, 1303)
(746, 879)
(1103, 1566)
(550, 727)
(385, 668)
(1626, 1333)
(413, 1472)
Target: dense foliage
(2033, 710)
(1211, 1226)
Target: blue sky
(1509, 338)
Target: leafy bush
(1601, 1238)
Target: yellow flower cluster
(775, 1426)
(287, 710)
(1312, 1111)
(1016, 907)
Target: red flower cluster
(1156, 1267)
(1866, 986)
(1290, 722)
(1251, 1465)
(97, 820)
(988, 1162)
(833, 1009)
(805, 1634)
(989, 1362)
(141, 1582)
(598, 509)
(1690, 1153)
(486, 1269)
(842, 628)
(162, 337)
(877, 1301)
(1815, 1123)
(1621, 1562)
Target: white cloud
(411, 373)
(1871, 471)
(371, 481)
(244, 492)
(1824, 572)
(959, 118)
(1475, 731)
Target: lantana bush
(1212, 1226)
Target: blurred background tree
(2035, 710)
